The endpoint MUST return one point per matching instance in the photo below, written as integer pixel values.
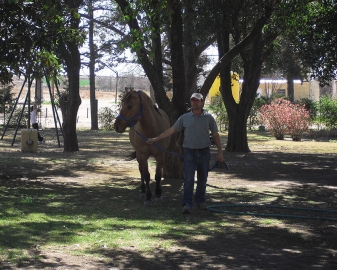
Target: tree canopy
(36, 36)
(168, 38)
(24, 32)
(315, 38)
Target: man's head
(197, 102)
(197, 96)
(31, 108)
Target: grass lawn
(82, 210)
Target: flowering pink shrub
(283, 117)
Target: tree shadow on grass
(203, 240)
(301, 168)
(39, 210)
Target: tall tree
(99, 20)
(291, 66)
(92, 62)
(30, 28)
(285, 62)
(68, 47)
(243, 22)
(284, 15)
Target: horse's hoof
(148, 203)
(142, 195)
(160, 199)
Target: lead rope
(215, 165)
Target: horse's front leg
(145, 182)
(142, 187)
(148, 200)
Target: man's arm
(217, 140)
(165, 134)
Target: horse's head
(131, 111)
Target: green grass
(256, 135)
(84, 82)
(35, 214)
(87, 203)
(269, 221)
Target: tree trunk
(71, 55)
(93, 101)
(238, 113)
(69, 123)
(191, 54)
(290, 85)
(237, 132)
(173, 164)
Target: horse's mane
(149, 101)
(145, 98)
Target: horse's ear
(129, 90)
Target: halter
(140, 112)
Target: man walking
(196, 124)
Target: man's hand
(150, 140)
(165, 134)
(220, 158)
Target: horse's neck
(148, 109)
(147, 102)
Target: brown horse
(145, 121)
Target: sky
(124, 69)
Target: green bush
(219, 110)
(106, 118)
(310, 106)
(327, 112)
(6, 100)
(15, 118)
(6, 97)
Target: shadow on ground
(75, 191)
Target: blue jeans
(195, 160)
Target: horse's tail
(131, 156)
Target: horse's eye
(129, 107)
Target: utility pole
(116, 73)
